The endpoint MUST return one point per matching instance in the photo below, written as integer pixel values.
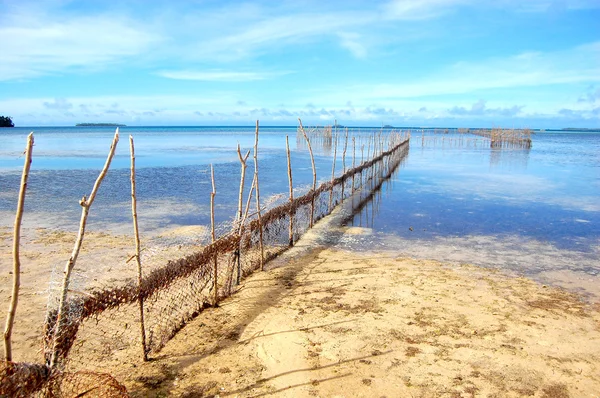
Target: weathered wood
(85, 203)
(213, 236)
(314, 170)
(333, 172)
(260, 226)
(136, 234)
(239, 215)
(292, 210)
(353, 161)
(14, 298)
(344, 162)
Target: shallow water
(532, 211)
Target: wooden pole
(292, 211)
(14, 299)
(242, 180)
(85, 203)
(314, 170)
(238, 253)
(249, 200)
(362, 161)
(344, 163)
(136, 234)
(260, 228)
(213, 236)
(353, 160)
(333, 172)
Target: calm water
(173, 173)
(550, 192)
(526, 210)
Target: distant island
(581, 129)
(6, 121)
(99, 125)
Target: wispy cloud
(35, 42)
(575, 65)
(219, 75)
(422, 9)
(480, 108)
(58, 103)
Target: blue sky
(456, 63)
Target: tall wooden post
(239, 215)
(344, 163)
(333, 172)
(260, 226)
(292, 209)
(14, 299)
(213, 236)
(85, 203)
(353, 161)
(136, 235)
(314, 170)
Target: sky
(422, 63)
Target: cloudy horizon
(430, 63)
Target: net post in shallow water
(136, 235)
(14, 298)
(291, 184)
(59, 345)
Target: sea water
(534, 211)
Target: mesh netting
(101, 326)
(27, 380)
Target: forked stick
(85, 203)
(14, 300)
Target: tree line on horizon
(6, 121)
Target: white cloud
(576, 65)
(35, 42)
(350, 41)
(218, 75)
(421, 9)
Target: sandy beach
(322, 321)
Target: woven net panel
(21, 379)
(83, 384)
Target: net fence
(102, 325)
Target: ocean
(534, 212)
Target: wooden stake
(14, 299)
(136, 234)
(249, 200)
(213, 236)
(353, 160)
(314, 170)
(344, 163)
(238, 253)
(333, 173)
(85, 203)
(242, 180)
(260, 227)
(292, 211)
(362, 157)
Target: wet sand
(331, 322)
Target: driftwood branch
(335, 138)
(212, 235)
(292, 211)
(136, 235)
(14, 299)
(260, 226)
(85, 203)
(353, 160)
(314, 170)
(344, 162)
